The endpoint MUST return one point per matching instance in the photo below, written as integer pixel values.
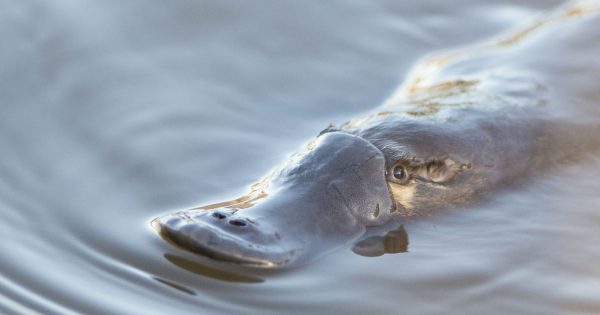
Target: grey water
(114, 112)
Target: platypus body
(466, 123)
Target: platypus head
(320, 199)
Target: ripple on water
(114, 113)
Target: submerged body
(464, 124)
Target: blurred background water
(113, 112)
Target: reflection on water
(197, 268)
(115, 112)
(393, 242)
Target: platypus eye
(399, 174)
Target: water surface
(113, 112)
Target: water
(115, 112)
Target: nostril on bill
(218, 215)
(237, 222)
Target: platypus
(466, 123)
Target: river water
(114, 112)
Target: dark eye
(399, 173)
